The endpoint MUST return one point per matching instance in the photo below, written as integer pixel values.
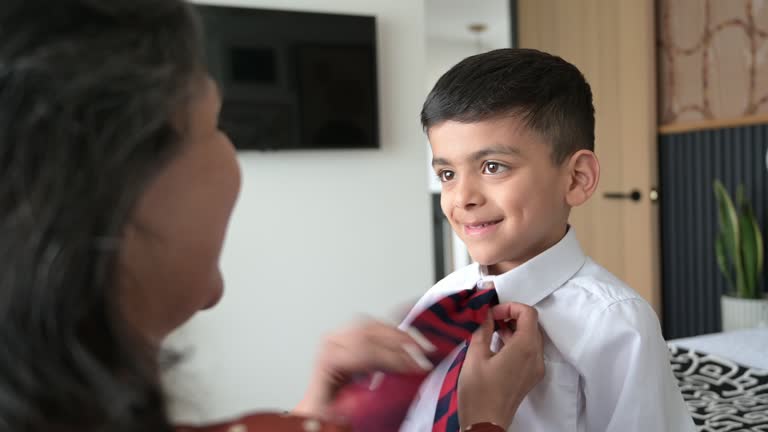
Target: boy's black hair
(551, 96)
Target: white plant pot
(739, 313)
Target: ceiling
(448, 20)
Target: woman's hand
(365, 347)
(492, 385)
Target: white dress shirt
(606, 363)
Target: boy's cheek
(445, 207)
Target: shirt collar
(540, 276)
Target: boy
(512, 135)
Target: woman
(117, 187)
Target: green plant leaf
(760, 244)
(749, 253)
(759, 248)
(722, 259)
(729, 228)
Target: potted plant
(740, 254)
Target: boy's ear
(584, 175)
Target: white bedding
(748, 347)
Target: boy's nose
(466, 194)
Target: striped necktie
(447, 324)
(467, 318)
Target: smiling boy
(512, 137)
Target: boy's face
(502, 193)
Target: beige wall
(713, 60)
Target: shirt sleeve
(628, 381)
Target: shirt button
(312, 425)
(238, 428)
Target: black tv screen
(294, 80)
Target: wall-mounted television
(294, 80)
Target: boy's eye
(446, 175)
(493, 168)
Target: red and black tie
(447, 324)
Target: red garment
(288, 423)
(269, 422)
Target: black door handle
(634, 195)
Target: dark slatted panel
(688, 163)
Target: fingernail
(420, 339)
(376, 380)
(418, 356)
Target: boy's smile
(502, 192)
(481, 228)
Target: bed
(724, 379)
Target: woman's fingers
(375, 346)
(518, 312)
(491, 386)
(365, 347)
(480, 343)
(400, 350)
(524, 323)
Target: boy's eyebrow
(498, 149)
(439, 161)
(484, 153)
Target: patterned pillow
(722, 395)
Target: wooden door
(612, 43)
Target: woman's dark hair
(551, 96)
(88, 91)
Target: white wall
(442, 54)
(317, 239)
(450, 20)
